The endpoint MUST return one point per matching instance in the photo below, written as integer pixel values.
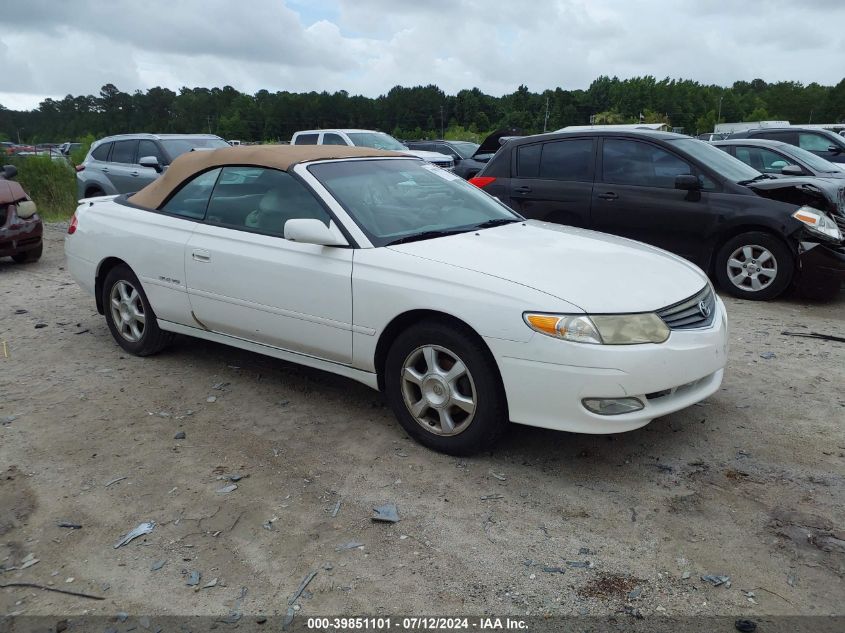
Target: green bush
(50, 183)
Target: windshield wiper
(426, 235)
(488, 224)
(756, 178)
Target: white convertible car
(402, 276)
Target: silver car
(126, 163)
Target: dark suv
(823, 143)
(754, 232)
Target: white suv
(368, 138)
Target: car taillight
(481, 181)
(80, 168)
(71, 229)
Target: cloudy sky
(56, 47)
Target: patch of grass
(50, 183)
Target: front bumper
(18, 235)
(821, 264)
(546, 379)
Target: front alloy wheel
(752, 268)
(438, 390)
(444, 387)
(755, 265)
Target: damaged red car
(21, 228)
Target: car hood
(597, 272)
(821, 193)
(427, 156)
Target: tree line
(421, 111)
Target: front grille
(696, 312)
(445, 164)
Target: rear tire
(444, 388)
(129, 316)
(754, 265)
(27, 257)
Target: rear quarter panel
(150, 243)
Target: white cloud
(367, 46)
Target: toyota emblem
(704, 309)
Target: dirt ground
(748, 484)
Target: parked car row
(755, 233)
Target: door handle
(201, 256)
(104, 170)
(608, 196)
(133, 173)
(522, 189)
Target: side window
(442, 148)
(627, 162)
(528, 160)
(330, 138)
(567, 160)
(150, 148)
(261, 200)
(124, 152)
(192, 199)
(102, 152)
(762, 159)
(306, 139)
(813, 142)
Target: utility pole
(546, 120)
(442, 132)
(208, 118)
(719, 116)
(19, 135)
(811, 115)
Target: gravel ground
(748, 484)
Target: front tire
(445, 389)
(27, 257)
(754, 265)
(129, 316)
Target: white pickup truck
(368, 138)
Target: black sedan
(774, 157)
(755, 233)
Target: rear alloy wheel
(129, 316)
(755, 266)
(445, 389)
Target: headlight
(607, 329)
(818, 222)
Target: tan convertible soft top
(274, 156)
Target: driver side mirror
(835, 149)
(792, 170)
(151, 162)
(312, 231)
(687, 182)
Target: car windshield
(178, 146)
(815, 162)
(721, 162)
(402, 200)
(376, 140)
(465, 149)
